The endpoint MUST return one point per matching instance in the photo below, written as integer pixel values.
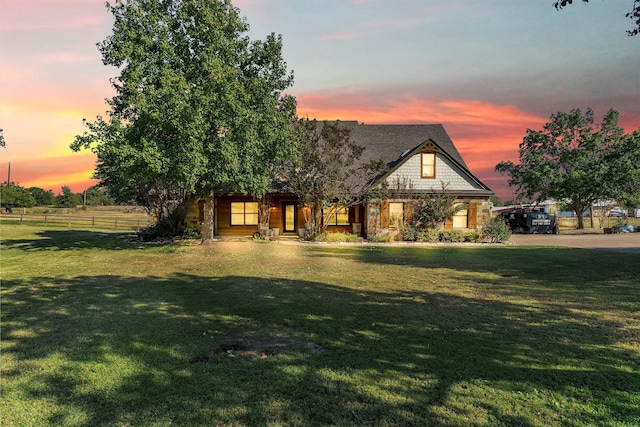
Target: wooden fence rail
(77, 221)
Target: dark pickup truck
(528, 221)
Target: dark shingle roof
(388, 142)
(393, 143)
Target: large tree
(633, 15)
(198, 105)
(326, 173)
(68, 199)
(626, 171)
(42, 197)
(572, 159)
(12, 195)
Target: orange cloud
(52, 173)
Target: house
(421, 158)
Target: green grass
(99, 331)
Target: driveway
(622, 242)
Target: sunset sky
(486, 69)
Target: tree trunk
(208, 227)
(317, 215)
(313, 220)
(264, 215)
(579, 209)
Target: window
(339, 216)
(396, 214)
(428, 165)
(460, 219)
(244, 213)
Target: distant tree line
(15, 196)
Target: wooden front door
(290, 217)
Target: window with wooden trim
(428, 165)
(244, 213)
(461, 219)
(396, 214)
(336, 216)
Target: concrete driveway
(622, 242)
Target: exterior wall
(356, 221)
(478, 212)
(194, 210)
(371, 218)
(223, 217)
(447, 174)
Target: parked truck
(530, 221)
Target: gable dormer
(428, 156)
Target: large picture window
(428, 165)
(244, 213)
(339, 216)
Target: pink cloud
(405, 108)
(69, 57)
(29, 15)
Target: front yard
(99, 331)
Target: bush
(192, 233)
(471, 236)
(409, 233)
(336, 237)
(427, 236)
(496, 231)
(172, 226)
(451, 236)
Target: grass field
(570, 224)
(127, 218)
(100, 331)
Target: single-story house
(421, 158)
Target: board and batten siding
(447, 174)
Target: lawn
(100, 331)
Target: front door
(289, 217)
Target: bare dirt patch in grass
(258, 344)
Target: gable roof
(394, 144)
(388, 142)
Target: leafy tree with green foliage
(199, 107)
(625, 175)
(68, 199)
(572, 159)
(42, 197)
(495, 200)
(326, 175)
(432, 210)
(98, 196)
(2, 141)
(14, 196)
(633, 15)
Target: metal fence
(79, 221)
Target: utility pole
(7, 209)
